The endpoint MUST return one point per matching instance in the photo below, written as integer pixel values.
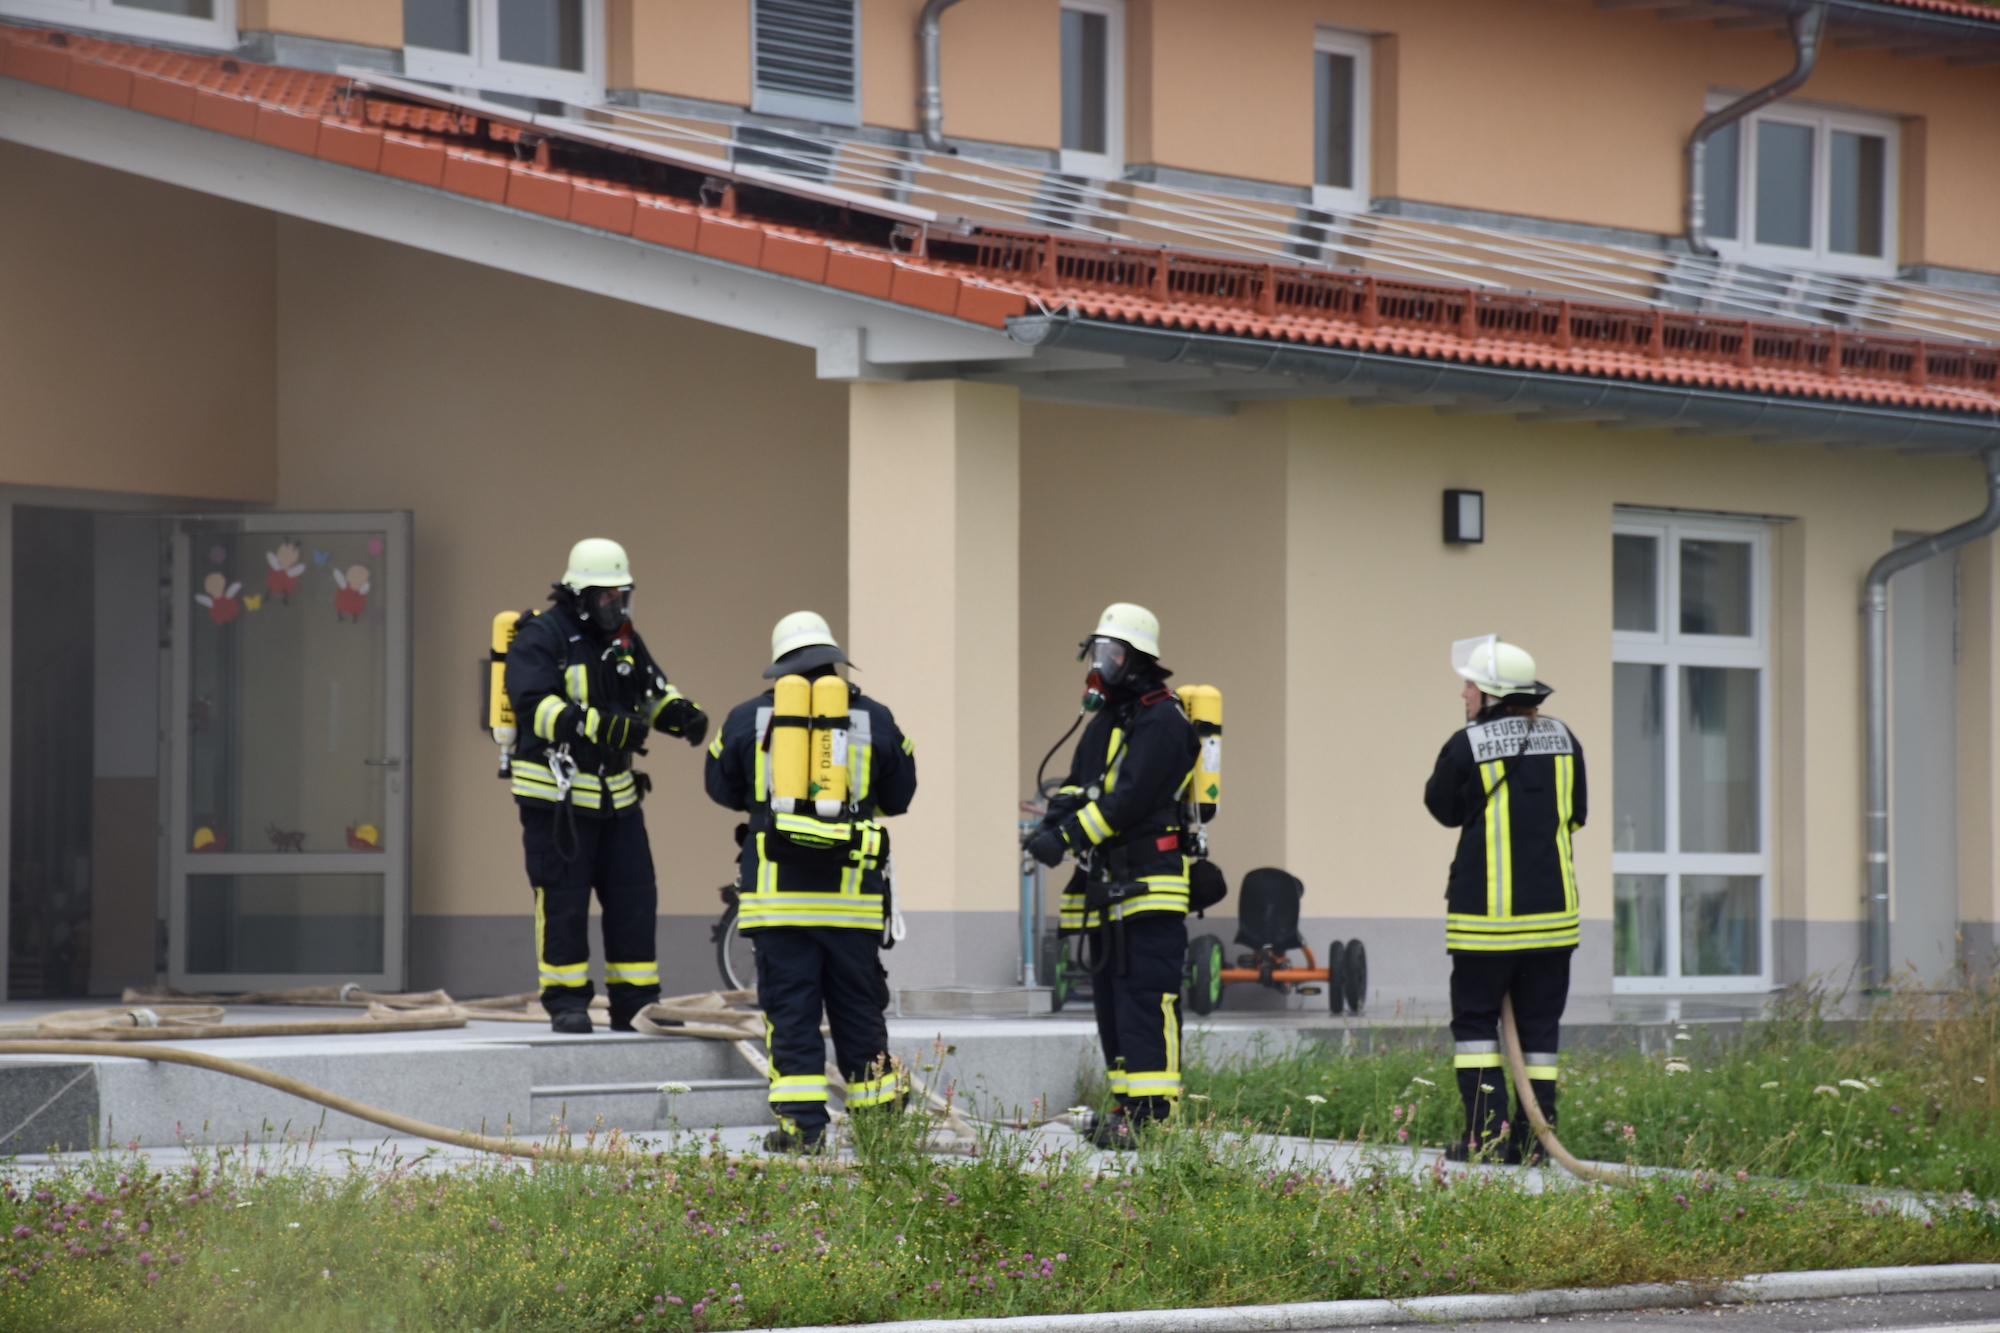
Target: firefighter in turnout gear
(1512, 782)
(1120, 816)
(588, 694)
(814, 893)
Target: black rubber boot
(1116, 1132)
(792, 1140)
(571, 1023)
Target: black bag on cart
(1267, 910)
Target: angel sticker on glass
(218, 594)
(352, 599)
(282, 579)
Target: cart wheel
(1056, 972)
(1356, 975)
(735, 954)
(1336, 977)
(1204, 974)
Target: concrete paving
(496, 1077)
(1917, 1312)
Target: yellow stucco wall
(1186, 516)
(513, 418)
(136, 343)
(1374, 592)
(690, 48)
(368, 22)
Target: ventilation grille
(807, 54)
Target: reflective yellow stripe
(1499, 849)
(715, 747)
(1172, 1028)
(798, 1088)
(1095, 826)
(633, 974)
(1153, 1083)
(565, 974)
(1546, 1073)
(1487, 1060)
(1114, 757)
(1117, 1077)
(653, 717)
(1565, 812)
(586, 791)
(908, 747)
(547, 713)
(874, 1091)
(576, 683)
(540, 926)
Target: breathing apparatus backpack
(497, 715)
(813, 819)
(1206, 884)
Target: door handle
(383, 763)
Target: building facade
(330, 326)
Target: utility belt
(849, 840)
(1111, 885)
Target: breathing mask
(606, 608)
(1110, 660)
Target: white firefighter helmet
(1498, 669)
(1130, 624)
(597, 562)
(801, 641)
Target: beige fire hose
(402, 1124)
(1524, 1092)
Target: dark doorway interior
(48, 901)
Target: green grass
(244, 1242)
(1908, 1097)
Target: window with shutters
(806, 56)
(543, 49)
(204, 23)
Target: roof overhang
(1239, 368)
(1949, 30)
(678, 281)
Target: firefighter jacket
(845, 885)
(1516, 790)
(1120, 812)
(574, 691)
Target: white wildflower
(1771, 1084)
(1824, 1090)
(1679, 1067)
(1315, 1099)
(1427, 1083)
(675, 1089)
(1202, 1097)
(1854, 1083)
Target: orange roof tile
(994, 274)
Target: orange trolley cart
(1268, 927)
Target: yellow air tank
(1204, 708)
(829, 745)
(791, 715)
(499, 708)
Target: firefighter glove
(1047, 847)
(613, 729)
(683, 718)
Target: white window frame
(1361, 48)
(1671, 650)
(1109, 164)
(1823, 121)
(482, 70)
(216, 34)
(797, 106)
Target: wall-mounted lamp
(1464, 517)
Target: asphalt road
(1929, 1312)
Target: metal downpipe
(930, 101)
(1875, 607)
(1807, 26)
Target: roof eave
(1355, 373)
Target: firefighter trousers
(1139, 1011)
(802, 971)
(614, 858)
(1538, 981)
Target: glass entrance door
(289, 795)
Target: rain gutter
(1807, 25)
(1364, 372)
(931, 58)
(1875, 607)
